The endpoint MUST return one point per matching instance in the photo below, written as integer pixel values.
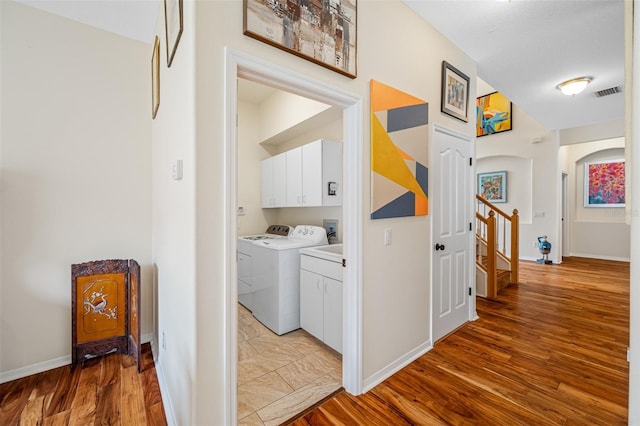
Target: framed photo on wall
(323, 32)
(494, 114)
(455, 92)
(173, 26)
(492, 186)
(155, 78)
(604, 184)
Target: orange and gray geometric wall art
(399, 154)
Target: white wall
(594, 232)
(533, 177)
(396, 293)
(594, 132)
(75, 171)
(250, 153)
(632, 103)
(282, 110)
(174, 234)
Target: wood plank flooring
(550, 351)
(102, 391)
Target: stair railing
(500, 232)
(488, 225)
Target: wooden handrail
(490, 227)
(515, 247)
(492, 207)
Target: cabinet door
(312, 174)
(294, 177)
(279, 166)
(266, 181)
(333, 313)
(311, 304)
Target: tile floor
(281, 376)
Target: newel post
(515, 247)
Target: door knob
(439, 246)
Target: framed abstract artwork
(399, 153)
(173, 24)
(494, 114)
(455, 92)
(492, 186)
(155, 78)
(323, 32)
(604, 184)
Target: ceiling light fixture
(574, 86)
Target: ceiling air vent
(607, 92)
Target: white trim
(240, 64)
(397, 365)
(50, 364)
(36, 368)
(535, 259)
(164, 393)
(473, 313)
(601, 257)
(230, 276)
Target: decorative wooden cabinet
(105, 309)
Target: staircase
(496, 248)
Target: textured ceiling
(524, 48)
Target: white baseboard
(601, 257)
(395, 366)
(50, 364)
(164, 393)
(535, 259)
(39, 367)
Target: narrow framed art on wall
(455, 92)
(323, 32)
(173, 25)
(155, 78)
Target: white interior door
(453, 259)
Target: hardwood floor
(549, 351)
(103, 391)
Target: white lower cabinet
(321, 300)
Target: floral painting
(492, 186)
(604, 184)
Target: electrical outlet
(164, 341)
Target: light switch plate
(176, 170)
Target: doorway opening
(241, 65)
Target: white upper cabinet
(274, 181)
(312, 176)
(294, 177)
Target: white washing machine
(245, 255)
(276, 277)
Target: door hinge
(470, 161)
(344, 263)
(469, 291)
